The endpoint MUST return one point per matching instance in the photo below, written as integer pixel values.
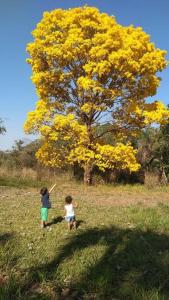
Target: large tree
(89, 70)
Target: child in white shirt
(69, 212)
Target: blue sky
(19, 17)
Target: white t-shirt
(69, 210)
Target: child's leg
(74, 223)
(41, 221)
(44, 217)
(42, 225)
(69, 225)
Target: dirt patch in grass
(115, 195)
(126, 198)
(95, 195)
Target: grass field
(119, 251)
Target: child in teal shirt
(46, 204)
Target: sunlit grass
(120, 249)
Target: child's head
(43, 191)
(68, 199)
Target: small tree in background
(2, 128)
(23, 154)
(89, 70)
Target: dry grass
(151, 180)
(40, 175)
(101, 195)
(24, 173)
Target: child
(45, 201)
(69, 211)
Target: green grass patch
(117, 252)
(20, 182)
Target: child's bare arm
(51, 189)
(75, 205)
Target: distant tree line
(152, 146)
(21, 155)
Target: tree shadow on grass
(7, 256)
(21, 285)
(134, 265)
(5, 237)
(8, 260)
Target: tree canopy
(89, 70)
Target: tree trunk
(88, 167)
(88, 174)
(162, 176)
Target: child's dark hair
(68, 199)
(43, 191)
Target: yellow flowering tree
(88, 69)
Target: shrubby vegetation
(20, 156)
(153, 155)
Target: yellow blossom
(88, 70)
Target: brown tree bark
(88, 167)
(88, 174)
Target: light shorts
(70, 219)
(44, 213)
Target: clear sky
(19, 17)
